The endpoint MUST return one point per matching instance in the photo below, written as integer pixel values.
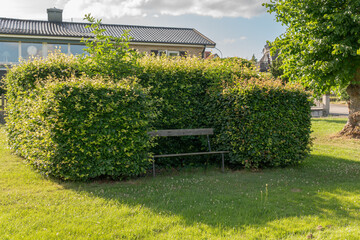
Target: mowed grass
(319, 199)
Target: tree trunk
(352, 127)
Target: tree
(321, 48)
(253, 59)
(111, 56)
(276, 70)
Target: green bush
(77, 128)
(103, 121)
(108, 56)
(182, 86)
(22, 78)
(264, 123)
(342, 93)
(181, 89)
(261, 121)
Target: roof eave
(76, 38)
(28, 37)
(210, 46)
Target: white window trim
(167, 52)
(176, 52)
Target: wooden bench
(186, 132)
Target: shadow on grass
(321, 187)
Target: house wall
(197, 51)
(10, 51)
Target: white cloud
(102, 8)
(120, 8)
(25, 9)
(213, 8)
(107, 9)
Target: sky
(240, 28)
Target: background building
(33, 38)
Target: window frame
(172, 52)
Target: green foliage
(110, 56)
(254, 59)
(321, 44)
(71, 123)
(340, 94)
(276, 70)
(182, 89)
(76, 127)
(343, 94)
(80, 129)
(264, 123)
(23, 77)
(182, 85)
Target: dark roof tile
(138, 33)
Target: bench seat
(186, 132)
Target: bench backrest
(181, 132)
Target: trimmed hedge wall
(261, 121)
(182, 90)
(77, 128)
(264, 123)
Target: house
(27, 38)
(210, 55)
(266, 60)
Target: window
(165, 53)
(29, 50)
(63, 48)
(154, 52)
(77, 49)
(173, 53)
(162, 53)
(184, 53)
(9, 52)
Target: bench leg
(153, 167)
(222, 163)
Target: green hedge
(182, 89)
(264, 123)
(22, 78)
(261, 121)
(77, 128)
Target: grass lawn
(319, 199)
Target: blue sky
(239, 27)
